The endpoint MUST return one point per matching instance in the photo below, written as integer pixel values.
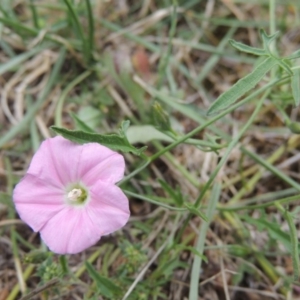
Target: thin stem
(153, 201)
(70, 86)
(34, 14)
(91, 26)
(258, 206)
(165, 58)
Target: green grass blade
(195, 274)
(69, 87)
(19, 27)
(248, 49)
(79, 30)
(213, 60)
(17, 60)
(294, 248)
(272, 168)
(294, 245)
(166, 57)
(242, 86)
(91, 26)
(34, 14)
(296, 86)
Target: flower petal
(100, 163)
(108, 207)
(36, 201)
(70, 231)
(56, 161)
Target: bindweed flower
(69, 194)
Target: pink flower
(69, 194)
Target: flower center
(76, 195)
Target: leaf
(80, 124)
(242, 86)
(294, 55)
(294, 244)
(296, 86)
(112, 141)
(268, 40)
(14, 62)
(160, 118)
(146, 133)
(284, 65)
(174, 193)
(90, 115)
(273, 229)
(248, 49)
(195, 211)
(104, 285)
(124, 127)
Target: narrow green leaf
(160, 118)
(91, 25)
(137, 134)
(296, 86)
(285, 66)
(112, 141)
(195, 274)
(14, 62)
(175, 194)
(195, 211)
(268, 40)
(145, 134)
(80, 124)
(273, 229)
(242, 86)
(79, 30)
(294, 55)
(19, 26)
(294, 245)
(124, 127)
(106, 287)
(248, 49)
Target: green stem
(91, 26)
(34, 14)
(294, 240)
(165, 58)
(258, 206)
(138, 196)
(69, 87)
